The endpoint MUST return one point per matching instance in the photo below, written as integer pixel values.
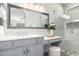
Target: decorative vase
(51, 33)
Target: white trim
(72, 7)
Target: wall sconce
(34, 7)
(28, 5)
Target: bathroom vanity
(22, 46)
(30, 45)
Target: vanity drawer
(5, 45)
(23, 42)
(40, 40)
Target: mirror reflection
(25, 18)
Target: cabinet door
(13, 52)
(35, 50)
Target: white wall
(48, 9)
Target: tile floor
(62, 54)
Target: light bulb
(26, 5)
(42, 9)
(31, 6)
(37, 7)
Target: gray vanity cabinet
(14, 52)
(22, 47)
(35, 50)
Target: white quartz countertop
(46, 39)
(52, 38)
(6, 38)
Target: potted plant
(51, 28)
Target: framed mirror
(19, 17)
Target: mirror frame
(15, 6)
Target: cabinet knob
(24, 51)
(28, 51)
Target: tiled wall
(71, 38)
